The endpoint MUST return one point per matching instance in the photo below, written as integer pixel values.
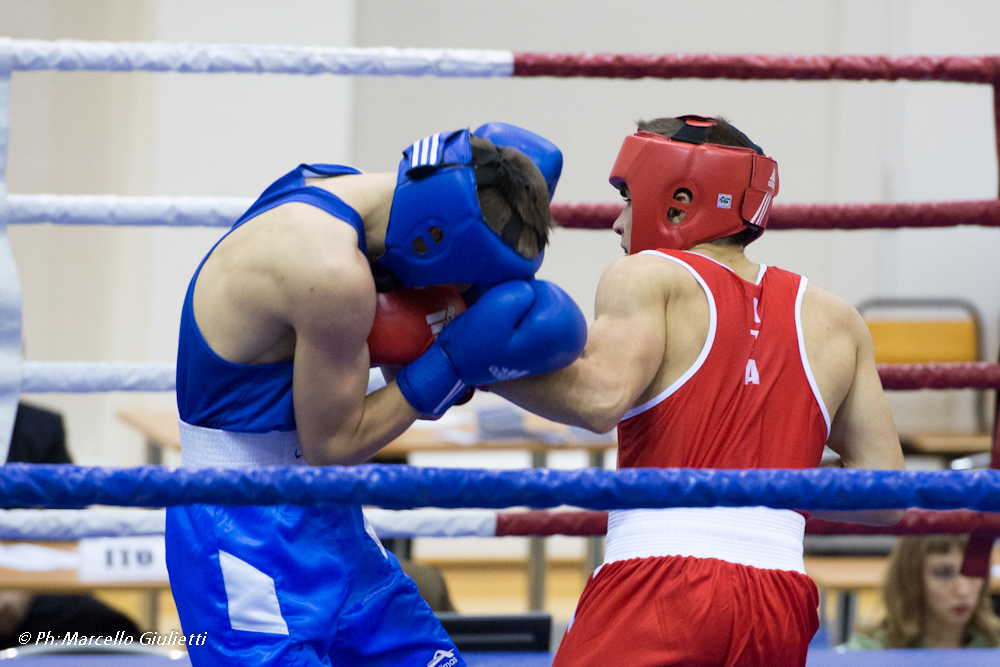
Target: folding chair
(913, 330)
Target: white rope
(432, 523)
(28, 524)
(69, 55)
(76, 377)
(112, 210)
(81, 377)
(57, 525)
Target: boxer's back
(735, 388)
(291, 254)
(831, 329)
(255, 282)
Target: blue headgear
(436, 233)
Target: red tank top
(750, 399)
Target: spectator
(929, 603)
(431, 584)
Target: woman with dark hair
(929, 603)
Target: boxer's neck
(731, 256)
(370, 195)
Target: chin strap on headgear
(731, 187)
(436, 232)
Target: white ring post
(10, 283)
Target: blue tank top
(250, 398)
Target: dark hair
(513, 196)
(903, 593)
(722, 133)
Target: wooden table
(543, 436)
(947, 443)
(160, 429)
(67, 581)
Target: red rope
(541, 523)
(914, 522)
(969, 375)
(985, 213)
(886, 215)
(589, 524)
(760, 67)
(586, 216)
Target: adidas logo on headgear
(770, 182)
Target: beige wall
(101, 294)
(81, 133)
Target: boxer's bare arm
(842, 356)
(624, 351)
(337, 423)
(293, 285)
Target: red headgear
(731, 187)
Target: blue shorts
(288, 585)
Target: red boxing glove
(408, 321)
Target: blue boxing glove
(517, 328)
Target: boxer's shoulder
(294, 264)
(825, 314)
(312, 254)
(645, 277)
(834, 336)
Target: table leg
(846, 609)
(536, 553)
(154, 453)
(149, 610)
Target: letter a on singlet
(751, 375)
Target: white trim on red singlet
(802, 352)
(706, 348)
(760, 274)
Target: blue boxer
(281, 584)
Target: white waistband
(757, 536)
(211, 448)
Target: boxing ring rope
(78, 377)
(224, 211)
(113, 210)
(882, 215)
(74, 55)
(400, 486)
(56, 525)
(102, 376)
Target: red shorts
(653, 612)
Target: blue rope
(398, 487)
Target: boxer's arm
(332, 314)
(863, 431)
(624, 350)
